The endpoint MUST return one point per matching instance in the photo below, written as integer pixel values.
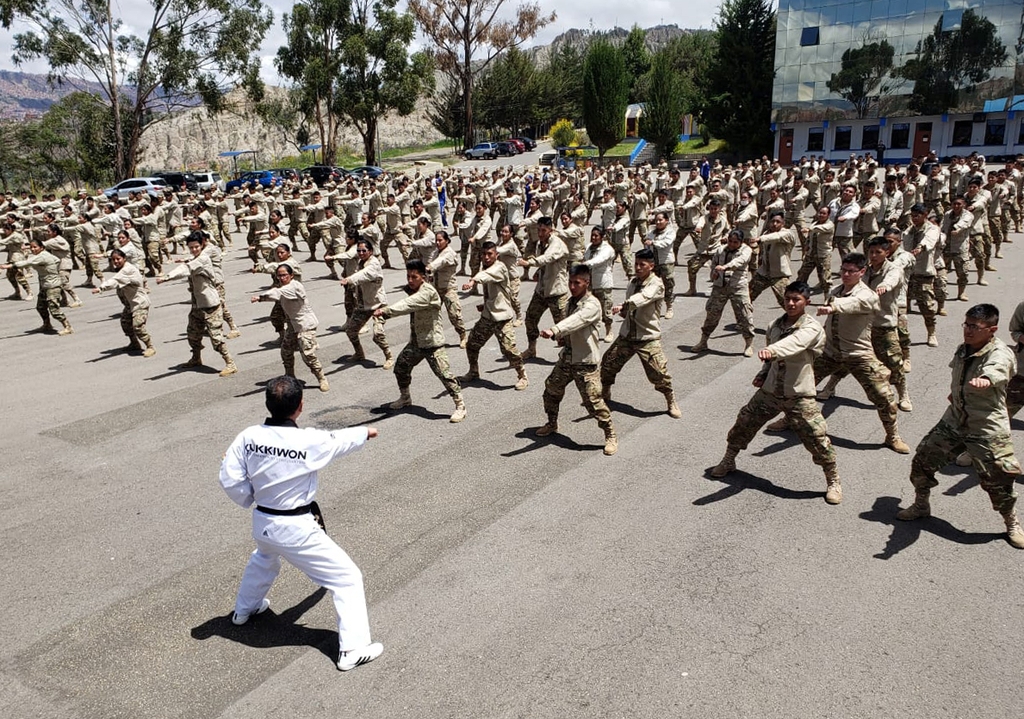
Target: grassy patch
(696, 145)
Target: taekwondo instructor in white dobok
(274, 466)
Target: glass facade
(904, 58)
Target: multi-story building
(913, 76)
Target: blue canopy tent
(233, 154)
(313, 149)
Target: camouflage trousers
(222, 234)
(450, 300)
(759, 283)
(278, 318)
(637, 226)
(312, 237)
(820, 263)
(1015, 395)
(224, 306)
(885, 341)
(922, 291)
(667, 273)
(153, 259)
(604, 296)
(206, 322)
(588, 382)
(939, 284)
(804, 418)
(68, 294)
(862, 238)
(398, 239)
(505, 333)
(992, 457)
(981, 251)
(844, 245)
(48, 304)
(1010, 217)
(18, 278)
(350, 301)
(624, 254)
(652, 359)
(742, 308)
(514, 285)
(996, 231)
(306, 344)
(539, 304)
(693, 265)
(437, 360)
(677, 244)
(903, 333)
(133, 324)
(355, 323)
(959, 265)
(872, 376)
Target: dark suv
(322, 174)
(177, 179)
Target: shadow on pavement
(738, 481)
(883, 511)
(267, 630)
(557, 439)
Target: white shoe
(240, 619)
(356, 657)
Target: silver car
(151, 185)
(209, 181)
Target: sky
(596, 14)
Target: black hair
(879, 242)
(284, 395)
(416, 265)
(645, 254)
(856, 258)
(800, 287)
(580, 271)
(989, 314)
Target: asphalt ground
(507, 576)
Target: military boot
(67, 329)
(289, 368)
(1014, 533)
(325, 386)
(701, 346)
(233, 332)
(829, 390)
(149, 351)
(548, 428)
(903, 393)
(473, 374)
(611, 441)
(669, 314)
(961, 292)
(673, 407)
(692, 289)
(463, 339)
(389, 361)
(918, 510)
(981, 278)
(404, 399)
(728, 463)
(196, 360)
(229, 364)
(833, 489)
(748, 347)
(893, 440)
(963, 459)
(460, 410)
(523, 382)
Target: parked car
(322, 174)
(518, 143)
(152, 185)
(506, 149)
(529, 142)
(286, 173)
(367, 171)
(482, 151)
(177, 179)
(266, 178)
(209, 181)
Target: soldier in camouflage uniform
(497, 316)
(50, 285)
(578, 335)
(1015, 389)
(923, 241)
(552, 283)
(443, 269)
(12, 241)
(786, 384)
(729, 279)
(300, 334)
(976, 420)
(128, 280)
(641, 334)
(426, 338)
(206, 316)
(368, 282)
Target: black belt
(305, 509)
(311, 508)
